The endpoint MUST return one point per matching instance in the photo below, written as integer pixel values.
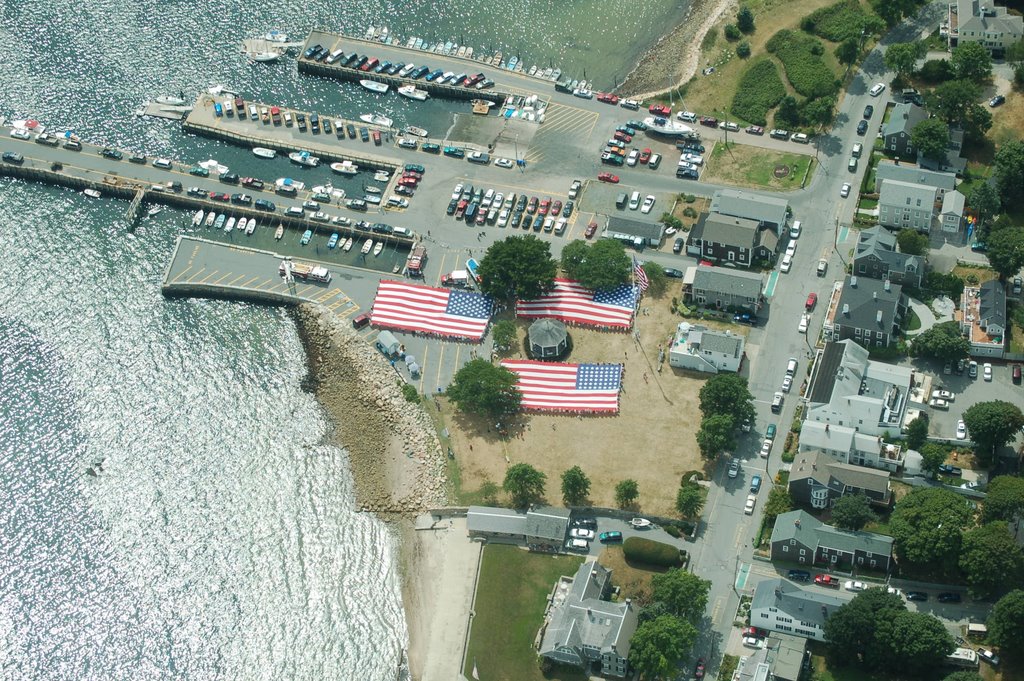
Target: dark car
(947, 469)
(359, 321)
(538, 222)
(252, 183)
(745, 318)
(263, 204)
(590, 523)
(799, 575)
(677, 245)
(949, 597)
(308, 54)
(229, 178)
(862, 128)
(12, 157)
(709, 121)
(916, 596)
(112, 154)
(869, 111)
(690, 145)
(673, 273)
(452, 205)
(610, 537)
(137, 158)
(73, 145)
(414, 168)
(243, 199)
(196, 191)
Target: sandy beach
(676, 57)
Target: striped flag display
(571, 302)
(640, 275)
(441, 311)
(548, 386)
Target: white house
(906, 205)
(980, 21)
(846, 445)
(779, 605)
(698, 348)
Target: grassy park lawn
(511, 595)
(981, 274)
(747, 166)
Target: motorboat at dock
(415, 131)
(413, 92)
(374, 86)
(263, 152)
(345, 168)
(304, 158)
(280, 232)
(377, 119)
(169, 100)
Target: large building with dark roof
(782, 606)
(799, 537)
(818, 481)
(868, 311)
(542, 528)
(878, 258)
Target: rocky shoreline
(396, 460)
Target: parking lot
(968, 391)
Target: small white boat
(275, 36)
(410, 43)
(264, 57)
(371, 33)
(413, 92)
(367, 245)
(94, 194)
(220, 90)
(210, 219)
(374, 86)
(377, 119)
(304, 158)
(418, 45)
(381, 176)
(532, 71)
(371, 189)
(482, 102)
(640, 522)
(153, 210)
(377, 248)
(372, 198)
(345, 168)
(198, 219)
(250, 226)
(383, 35)
(469, 53)
(230, 225)
(280, 232)
(670, 231)
(348, 245)
(415, 131)
(461, 52)
(289, 182)
(213, 166)
(263, 152)
(170, 100)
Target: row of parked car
(368, 64)
(480, 206)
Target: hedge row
(837, 22)
(759, 91)
(801, 56)
(652, 552)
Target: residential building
(908, 172)
(904, 205)
(583, 629)
(768, 211)
(867, 310)
(951, 214)
(546, 527)
(780, 605)
(980, 21)
(982, 316)
(542, 528)
(781, 659)
(698, 348)
(723, 288)
(736, 241)
(847, 445)
(652, 234)
(896, 131)
(951, 161)
(818, 481)
(877, 258)
(799, 537)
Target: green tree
(932, 456)
(992, 425)
(851, 631)
(963, 676)
(918, 645)
(606, 265)
(956, 102)
(524, 484)
(931, 138)
(991, 560)
(902, 57)
(944, 341)
(743, 49)
(788, 112)
(935, 71)
(732, 32)
(927, 526)
(726, 393)
(573, 255)
(626, 493)
(684, 593)
(517, 267)
(779, 502)
(1004, 498)
(848, 51)
(892, 11)
(917, 432)
(716, 435)
(985, 201)
(658, 645)
(575, 486)
(1006, 250)
(504, 334)
(689, 500)
(971, 61)
(911, 241)
(481, 388)
(852, 512)
(819, 112)
(1006, 622)
(657, 281)
(948, 285)
(745, 20)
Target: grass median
(754, 167)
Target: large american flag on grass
(548, 386)
(426, 309)
(572, 302)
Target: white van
(791, 367)
(794, 230)
(402, 231)
(857, 149)
(634, 200)
(253, 112)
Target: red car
(545, 205)
(645, 156)
(219, 196)
(623, 137)
(698, 673)
(591, 229)
(608, 177)
(607, 98)
(755, 632)
(660, 110)
(556, 208)
(826, 580)
(709, 121)
(812, 300)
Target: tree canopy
(626, 493)
(911, 241)
(852, 631)
(963, 676)
(482, 388)
(504, 334)
(931, 138)
(902, 57)
(957, 103)
(727, 393)
(1006, 250)
(918, 645)
(689, 500)
(991, 560)
(517, 267)
(985, 201)
(992, 425)
(1009, 171)
(1006, 623)
(575, 486)
(603, 264)
(524, 483)
(684, 593)
(848, 51)
(573, 255)
(944, 342)
(658, 645)
(1004, 498)
(852, 512)
(715, 435)
(932, 456)
(927, 526)
(917, 432)
(779, 502)
(657, 281)
(745, 20)
(971, 61)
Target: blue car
(755, 484)
(333, 241)
(306, 236)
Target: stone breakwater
(397, 462)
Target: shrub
(409, 391)
(673, 531)
(691, 475)
(689, 198)
(732, 32)
(840, 21)
(935, 71)
(652, 552)
(759, 91)
(800, 55)
(743, 50)
(689, 212)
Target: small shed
(388, 344)
(548, 339)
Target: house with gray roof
(583, 629)
(652, 233)
(799, 537)
(897, 130)
(981, 21)
(951, 161)
(877, 258)
(781, 659)
(698, 348)
(951, 215)
(733, 240)
(542, 528)
(780, 605)
(866, 310)
(546, 527)
(904, 205)
(768, 211)
(982, 317)
(846, 444)
(818, 481)
(723, 288)
(908, 172)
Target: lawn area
(822, 672)
(634, 582)
(980, 274)
(510, 599)
(747, 166)
(1007, 121)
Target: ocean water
(168, 508)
